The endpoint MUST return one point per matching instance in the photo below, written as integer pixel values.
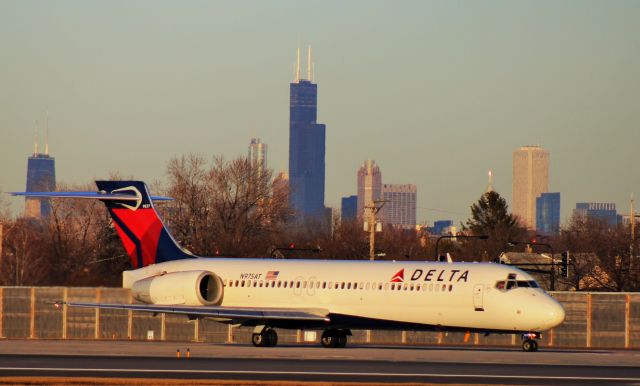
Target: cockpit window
(511, 284)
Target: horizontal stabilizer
(90, 195)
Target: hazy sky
(437, 92)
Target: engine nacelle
(191, 288)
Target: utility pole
(373, 210)
(632, 217)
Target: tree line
(235, 208)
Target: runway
(158, 360)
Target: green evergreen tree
(490, 216)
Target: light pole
(552, 273)
(437, 257)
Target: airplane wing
(236, 314)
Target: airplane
(332, 296)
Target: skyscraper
(349, 208)
(258, 154)
(369, 186)
(41, 177)
(400, 206)
(306, 147)
(604, 211)
(548, 213)
(530, 179)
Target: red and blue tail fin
(144, 236)
(141, 230)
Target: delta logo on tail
(398, 277)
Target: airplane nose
(555, 314)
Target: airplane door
(477, 297)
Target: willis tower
(306, 147)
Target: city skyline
(422, 88)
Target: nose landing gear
(529, 343)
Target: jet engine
(191, 288)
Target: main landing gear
(334, 338)
(265, 338)
(529, 343)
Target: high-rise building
(41, 177)
(349, 208)
(400, 205)
(548, 213)
(258, 154)
(369, 186)
(306, 147)
(604, 211)
(440, 227)
(530, 179)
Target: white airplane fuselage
(380, 294)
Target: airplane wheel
(341, 340)
(334, 339)
(329, 339)
(530, 345)
(272, 337)
(258, 340)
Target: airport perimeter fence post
(96, 333)
(65, 296)
(627, 321)
(196, 330)
(404, 337)
(32, 313)
(130, 319)
(229, 333)
(588, 342)
(368, 336)
(299, 336)
(163, 330)
(1, 312)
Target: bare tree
(230, 207)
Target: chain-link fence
(593, 320)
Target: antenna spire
(298, 65)
(490, 185)
(309, 62)
(35, 140)
(46, 143)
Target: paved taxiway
(312, 363)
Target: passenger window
(273, 284)
(291, 284)
(284, 284)
(237, 283)
(297, 284)
(431, 287)
(255, 283)
(324, 284)
(386, 286)
(393, 286)
(349, 285)
(368, 285)
(450, 287)
(330, 285)
(379, 286)
(279, 283)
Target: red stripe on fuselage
(146, 226)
